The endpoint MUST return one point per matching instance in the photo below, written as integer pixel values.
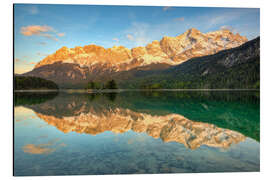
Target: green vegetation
(241, 76)
(152, 86)
(98, 85)
(94, 85)
(111, 85)
(29, 83)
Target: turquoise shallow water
(136, 132)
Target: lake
(136, 132)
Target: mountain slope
(234, 68)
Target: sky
(39, 30)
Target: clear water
(136, 132)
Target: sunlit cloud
(61, 34)
(37, 30)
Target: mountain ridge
(169, 50)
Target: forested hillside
(29, 83)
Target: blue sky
(42, 29)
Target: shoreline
(125, 90)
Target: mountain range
(190, 55)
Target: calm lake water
(69, 133)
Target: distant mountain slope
(234, 68)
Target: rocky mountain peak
(170, 50)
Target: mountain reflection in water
(172, 127)
(136, 132)
(97, 113)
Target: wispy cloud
(179, 19)
(42, 43)
(33, 10)
(166, 8)
(115, 40)
(130, 37)
(22, 65)
(35, 30)
(224, 17)
(139, 33)
(49, 36)
(23, 62)
(41, 54)
(61, 34)
(44, 31)
(230, 28)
